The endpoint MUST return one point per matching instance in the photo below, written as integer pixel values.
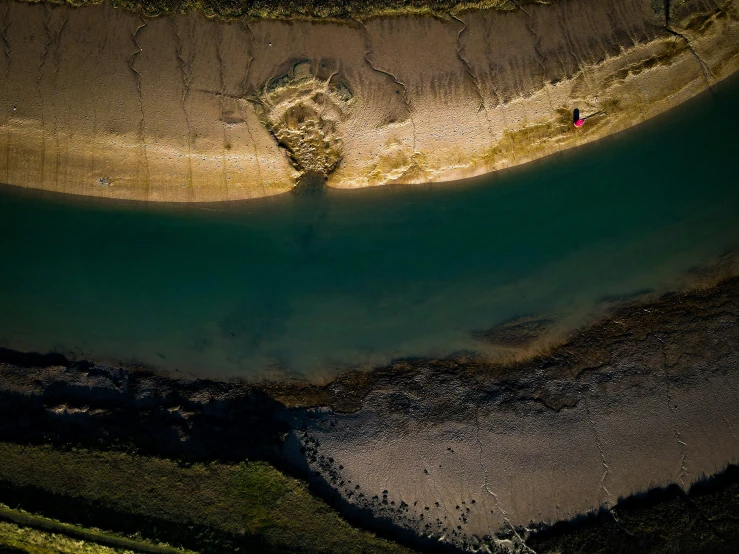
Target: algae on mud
(660, 521)
(297, 9)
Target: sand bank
(98, 101)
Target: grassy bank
(289, 9)
(16, 539)
(203, 507)
(23, 532)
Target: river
(313, 282)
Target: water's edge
(611, 364)
(308, 285)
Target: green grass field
(213, 507)
(41, 536)
(14, 538)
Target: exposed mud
(459, 451)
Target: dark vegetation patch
(79, 511)
(168, 423)
(663, 520)
(211, 508)
(313, 9)
(38, 534)
(31, 359)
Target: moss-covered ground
(202, 507)
(312, 9)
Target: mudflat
(100, 101)
(458, 451)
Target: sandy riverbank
(475, 457)
(456, 452)
(98, 101)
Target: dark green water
(313, 281)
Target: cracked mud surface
(457, 451)
(176, 109)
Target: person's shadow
(575, 115)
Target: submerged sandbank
(99, 101)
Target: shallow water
(313, 281)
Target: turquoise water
(310, 282)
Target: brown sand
(97, 101)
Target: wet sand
(98, 101)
